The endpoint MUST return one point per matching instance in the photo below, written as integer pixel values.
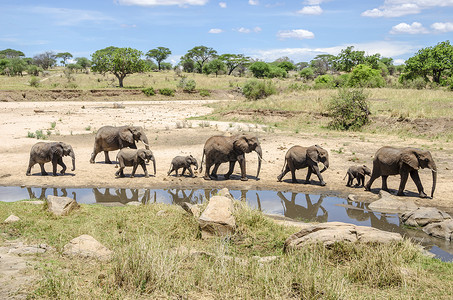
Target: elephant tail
(116, 160)
(284, 165)
(202, 160)
(345, 176)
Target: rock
(11, 219)
(21, 249)
(442, 229)
(331, 232)
(423, 216)
(288, 223)
(225, 193)
(61, 206)
(217, 218)
(351, 197)
(134, 203)
(389, 204)
(193, 209)
(87, 247)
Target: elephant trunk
(196, 166)
(434, 171)
(259, 151)
(326, 166)
(154, 165)
(72, 155)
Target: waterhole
(297, 206)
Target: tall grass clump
(349, 110)
(149, 91)
(187, 85)
(34, 81)
(258, 89)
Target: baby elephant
(132, 158)
(42, 153)
(357, 172)
(184, 162)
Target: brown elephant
(357, 172)
(133, 158)
(404, 161)
(110, 138)
(42, 153)
(299, 157)
(220, 149)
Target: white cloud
(222, 4)
(442, 27)
(398, 8)
(404, 28)
(162, 2)
(257, 29)
(311, 10)
(248, 30)
(397, 62)
(295, 34)
(254, 2)
(215, 30)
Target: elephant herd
(221, 149)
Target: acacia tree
(64, 56)
(11, 53)
(44, 60)
(84, 62)
(214, 66)
(200, 55)
(159, 54)
(232, 61)
(118, 61)
(349, 58)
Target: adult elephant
(42, 153)
(404, 161)
(299, 157)
(220, 149)
(110, 138)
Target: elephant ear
(142, 155)
(126, 135)
(312, 153)
(410, 159)
(241, 143)
(57, 150)
(362, 171)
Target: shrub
(324, 82)
(258, 89)
(34, 81)
(149, 91)
(187, 85)
(365, 76)
(167, 92)
(307, 73)
(259, 69)
(205, 93)
(276, 72)
(349, 110)
(418, 83)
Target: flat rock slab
(423, 216)
(12, 219)
(390, 204)
(61, 206)
(87, 247)
(217, 218)
(331, 232)
(442, 229)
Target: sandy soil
(169, 135)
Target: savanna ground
(71, 110)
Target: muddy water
(303, 207)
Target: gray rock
(351, 197)
(193, 209)
(11, 219)
(442, 229)
(390, 204)
(423, 216)
(61, 206)
(217, 218)
(87, 247)
(21, 249)
(331, 232)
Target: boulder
(225, 193)
(87, 247)
(442, 229)
(423, 216)
(389, 204)
(193, 209)
(11, 219)
(217, 218)
(61, 206)
(331, 232)
(21, 249)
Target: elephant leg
(30, 165)
(62, 164)
(384, 182)
(120, 172)
(416, 178)
(280, 177)
(360, 180)
(243, 165)
(214, 171)
(373, 177)
(206, 174)
(230, 171)
(143, 164)
(316, 170)
(309, 172)
(171, 170)
(176, 172)
(54, 167)
(191, 172)
(134, 168)
(404, 177)
(183, 171)
(350, 180)
(292, 168)
(43, 171)
(107, 158)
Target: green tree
(159, 54)
(286, 65)
(166, 66)
(200, 55)
(348, 59)
(259, 69)
(44, 60)
(11, 53)
(364, 76)
(307, 73)
(433, 61)
(118, 61)
(214, 66)
(84, 62)
(233, 61)
(17, 66)
(322, 64)
(64, 56)
(301, 65)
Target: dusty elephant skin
(184, 162)
(357, 172)
(42, 153)
(133, 158)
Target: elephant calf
(184, 162)
(357, 172)
(42, 153)
(132, 158)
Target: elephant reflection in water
(310, 213)
(121, 195)
(64, 193)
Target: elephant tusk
(261, 158)
(145, 144)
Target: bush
(167, 92)
(450, 83)
(149, 91)
(259, 69)
(205, 93)
(307, 73)
(365, 76)
(276, 72)
(341, 80)
(324, 82)
(258, 89)
(34, 81)
(187, 85)
(349, 110)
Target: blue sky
(262, 29)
